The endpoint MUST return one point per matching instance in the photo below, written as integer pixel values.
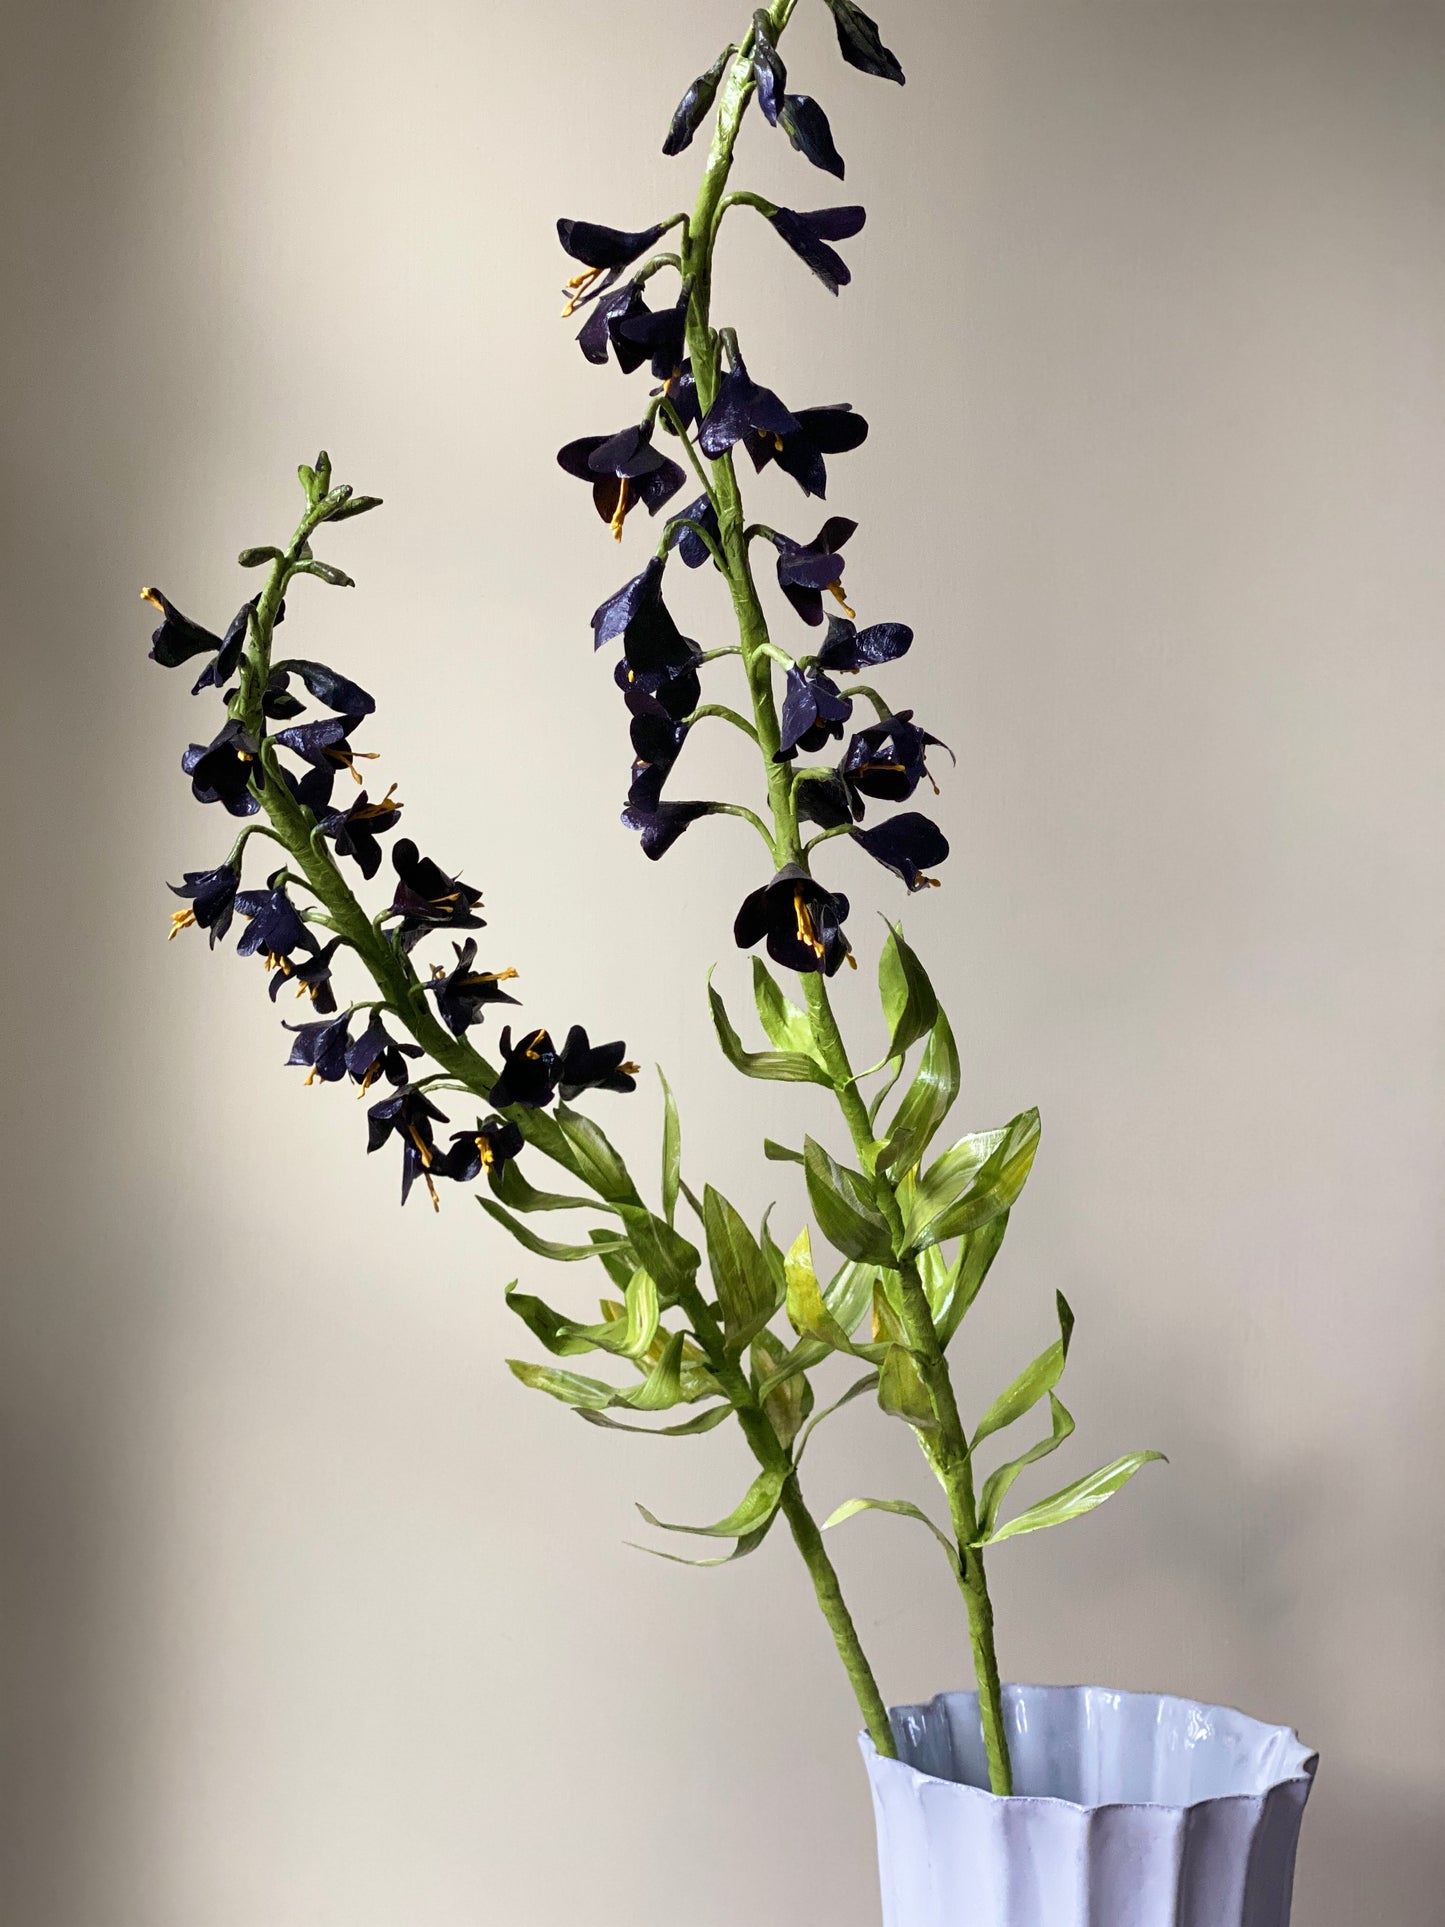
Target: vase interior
(1093, 1746)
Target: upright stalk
(948, 1451)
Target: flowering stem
(948, 1452)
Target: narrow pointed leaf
(846, 1213)
(780, 1154)
(603, 1242)
(909, 1004)
(671, 1150)
(749, 1542)
(664, 1252)
(790, 1397)
(985, 1190)
(663, 1387)
(1076, 1499)
(707, 1421)
(926, 1102)
(517, 1194)
(786, 1027)
(779, 1066)
(905, 1509)
(752, 1512)
(589, 1394)
(744, 1287)
(902, 1392)
(596, 1160)
(996, 1486)
(1033, 1382)
(963, 1279)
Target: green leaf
(959, 1284)
(1076, 1499)
(790, 1399)
(356, 505)
(902, 1392)
(594, 1158)
(976, 1190)
(509, 1185)
(630, 1336)
(749, 1542)
(926, 1102)
(617, 1260)
(867, 1383)
(663, 1386)
(807, 1313)
(689, 1428)
(786, 1067)
(671, 1150)
(905, 1509)
(258, 558)
(780, 1154)
(909, 1004)
(664, 1252)
(584, 1393)
(844, 1208)
(1033, 1382)
(849, 1292)
(752, 1513)
(996, 1486)
(739, 1271)
(603, 1241)
(787, 1028)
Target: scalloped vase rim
(1298, 1760)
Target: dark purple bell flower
(463, 992)
(355, 831)
(740, 408)
(326, 687)
(604, 253)
(808, 235)
(888, 759)
(659, 337)
(651, 640)
(770, 76)
(325, 745)
(376, 1053)
(801, 922)
(409, 1115)
(212, 895)
(682, 393)
(825, 799)
(222, 666)
(661, 824)
(175, 639)
(312, 976)
(623, 469)
(814, 712)
(529, 1071)
(850, 649)
(669, 692)
(832, 430)
(274, 929)
(427, 898)
(806, 126)
(595, 337)
(490, 1148)
(906, 844)
(689, 545)
(589, 1067)
(321, 1048)
(860, 43)
(807, 569)
(221, 770)
(690, 110)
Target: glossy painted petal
(595, 336)
(769, 73)
(587, 1067)
(212, 897)
(860, 42)
(529, 1073)
(850, 649)
(806, 126)
(691, 109)
(907, 845)
(691, 547)
(596, 246)
(742, 406)
(662, 824)
(808, 236)
(176, 638)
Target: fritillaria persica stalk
(917, 1230)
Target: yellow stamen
(423, 1150)
(153, 597)
(629, 1069)
(619, 514)
(383, 808)
(436, 1203)
(309, 1079)
(806, 933)
(576, 288)
(487, 1154)
(778, 443)
(921, 882)
(836, 589)
(181, 920)
(367, 1081)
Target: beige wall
(313, 1618)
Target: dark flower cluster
(799, 920)
(301, 944)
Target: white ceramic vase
(1130, 1810)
